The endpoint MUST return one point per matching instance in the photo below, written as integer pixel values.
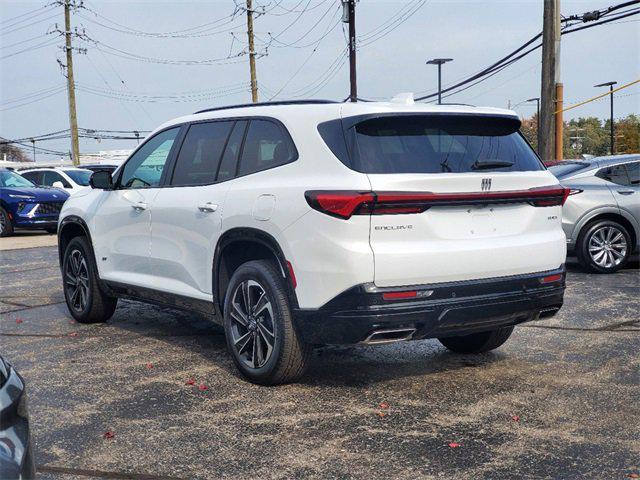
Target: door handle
(208, 207)
(625, 192)
(140, 206)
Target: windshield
(80, 176)
(439, 144)
(564, 169)
(12, 179)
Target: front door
(121, 228)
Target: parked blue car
(23, 205)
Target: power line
(8, 20)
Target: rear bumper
(445, 309)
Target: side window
(634, 173)
(229, 162)
(49, 177)
(34, 177)
(200, 154)
(267, 145)
(615, 174)
(145, 167)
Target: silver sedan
(601, 217)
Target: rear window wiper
(491, 164)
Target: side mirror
(101, 180)
(58, 184)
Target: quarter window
(144, 169)
(267, 145)
(229, 161)
(200, 153)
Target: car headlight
(25, 197)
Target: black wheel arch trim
(248, 234)
(73, 220)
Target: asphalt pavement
(153, 394)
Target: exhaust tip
(390, 335)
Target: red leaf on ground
(202, 386)
(381, 414)
(108, 435)
(149, 366)
(515, 418)
(19, 320)
(73, 334)
(455, 445)
(633, 475)
(384, 405)
(191, 381)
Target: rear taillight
(345, 203)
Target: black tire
(477, 342)
(588, 247)
(248, 330)
(6, 227)
(86, 302)
(51, 231)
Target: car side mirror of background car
(58, 184)
(102, 180)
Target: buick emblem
(486, 184)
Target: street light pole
(439, 62)
(610, 85)
(537, 100)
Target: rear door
(456, 199)
(624, 183)
(187, 214)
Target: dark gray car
(16, 453)
(601, 217)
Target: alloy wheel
(76, 280)
(253, 331)
(2, 223)
(607, 246)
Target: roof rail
(269, 104)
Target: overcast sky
(473, 33)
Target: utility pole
(349, 16)
(550, 131)
(610, 85)
(252, 53)
(71, 90)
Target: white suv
(298, 224)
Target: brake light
(345, 203)
(399, 295)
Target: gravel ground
(559, 400)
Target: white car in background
(72, 180)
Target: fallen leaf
(382, 414)
(455, 445)
(515, 418)
(202, 386)
(19, 320)
(384, 405)
(633, 475)
(73, 334)
(108, 435)
(149, 366)
(191, 381)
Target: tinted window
(34, 177)
(634, 173)
(49, 177)
(11, 179)
(81, 177)
(267, 145)
(437, 144)
(145, 167)
(200, 153)
(616, 174)
(564, 169)
(229, 162)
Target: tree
(13, 153)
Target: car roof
(320, 110)
(615, 159)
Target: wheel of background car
(477, 342)
(259, 328)
(6, 227)
(604, 246)
(86, 302)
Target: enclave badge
(486, 184)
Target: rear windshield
(564, 169)
(438, 144)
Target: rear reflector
(399, 295)
(552, 278)
(345, 203)
(292, 275)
